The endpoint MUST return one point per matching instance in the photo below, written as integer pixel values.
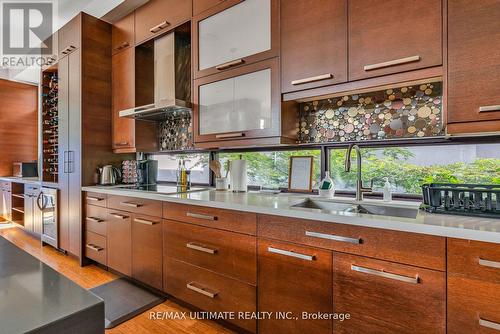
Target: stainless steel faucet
(360, 190)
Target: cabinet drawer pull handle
(290, 253)
(488, 263)
(204, 291)
(130, 204)
(392, 63)
(94, 199)
(200, 248)
(159, 27)
(145, 222)
(356, 241)
(122, 46)
(118, 216)
(489, 108)
(380, 273)
(489, 324)
(230, 135)
(229, 64)
(123, 143)
(95, 220)
(312, 79)
(94, 247)
(200, 216)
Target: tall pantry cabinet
(84, 106)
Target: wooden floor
(91, 276)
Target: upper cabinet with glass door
(235, 33)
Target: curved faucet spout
(360, 190)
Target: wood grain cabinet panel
(210, 291)
(147, 250)
(473, 305)
(408, 248)
(294, 279)
(159, 16)
(313, 45)
(123, 97)
(69, 37)
(95, 247)
(122, 33)
(96, 219)
(137, 205)
(385, 297)
(119, 240)
(242, 222)
(95, 199)
(473, 61)
(393, 36)
(475, 259)
(200, 6)
(227, 253)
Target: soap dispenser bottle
(387, 190)
(326, 187)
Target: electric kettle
(109, 175)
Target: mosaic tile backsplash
(176, 132)
(406, 112)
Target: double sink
(344, 208)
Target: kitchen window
(197, 163)
(269, 169)
(409, 167)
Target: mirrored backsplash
(406, 112)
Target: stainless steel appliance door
(47, 202)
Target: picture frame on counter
(300, 174)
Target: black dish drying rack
(481, 200)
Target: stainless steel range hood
(170, 79)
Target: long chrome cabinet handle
(356, 241)
(230, 135)
(200, 216)
(489, 108)
(489, 324)
(94, 199)
(312, 79)
(159, 27)
(391, 63)
(201, 248)
(413, 280)
(95, 220)
(117, 216)
(130, 204)
(204, 291)
(145, 222)
(94, 247)
(291, 254)
(488, 263)
(229, 64)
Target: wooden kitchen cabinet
(200, 6)
(313, 45)
(123, 96)
(147, 250)
(294, 279)
(474, 64)
(6, 200)
(392, 36)
(235, 33)
(69, 37)
(32, 212)
(159, 16)
(119, 241)
(123, 33)
(241, 104)
(386, 297)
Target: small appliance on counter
(238, 175)
(129, 172)
(25, 169)
(147, 172)
(109, 175)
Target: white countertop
(23, 180)
(463, 227)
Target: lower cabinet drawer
(96, 199)
(224, 252)
(137, 205)
(96, 219)
(95, 247)
(210, 291)
(473, 305)
(385, 297)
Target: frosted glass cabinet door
(238, 105)
(238, 35)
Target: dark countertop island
(34, 298)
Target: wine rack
(50, 122)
